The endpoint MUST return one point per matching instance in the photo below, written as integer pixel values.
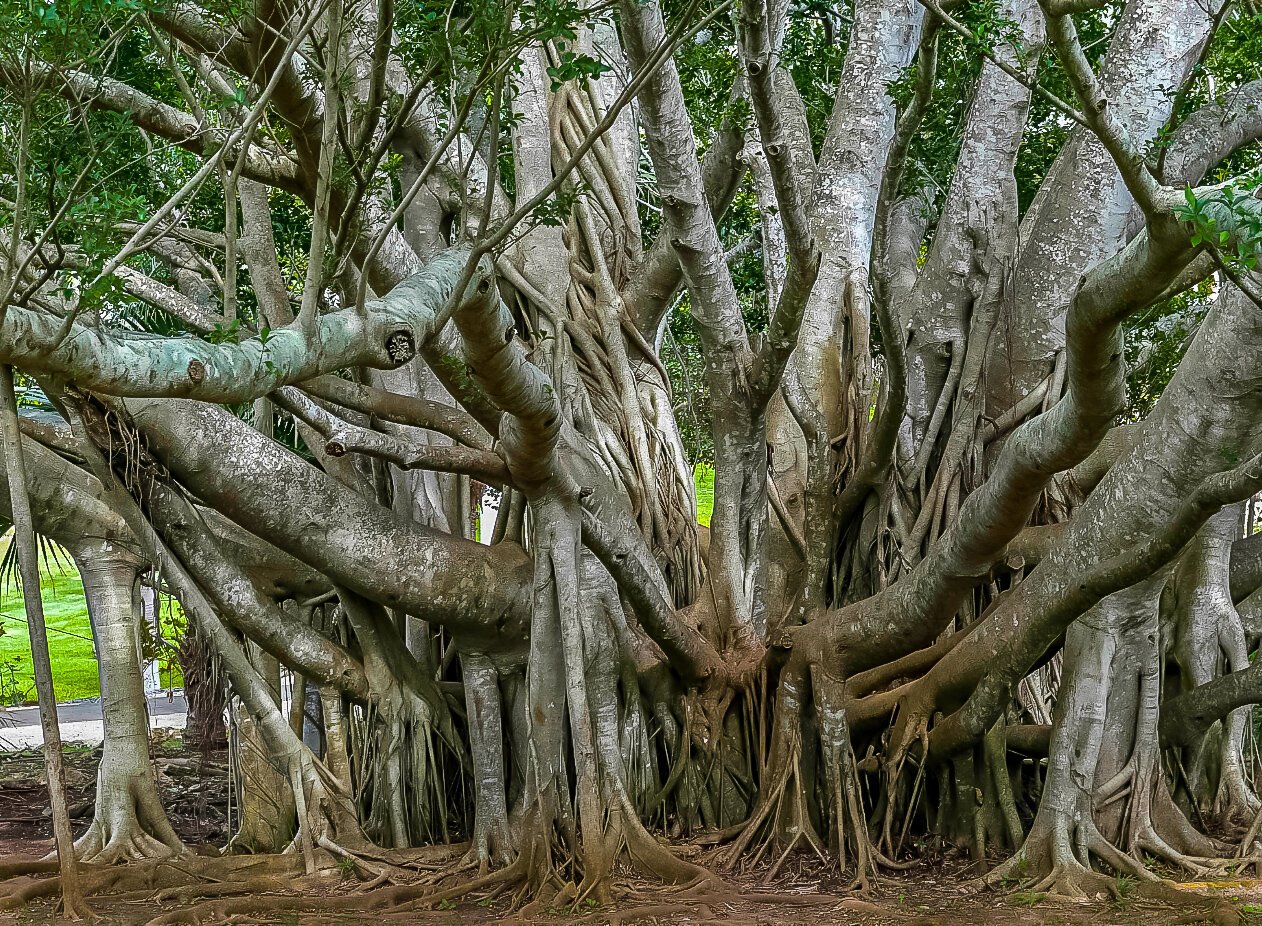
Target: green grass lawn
(69, 637)
(704, 476)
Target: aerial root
(1070, 877)
(496, 880)
(802, 829)
(777, 801)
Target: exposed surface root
(1056, 860)
(128, 842)
(1212, 909)
(21, 891)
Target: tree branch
(133, 364)
(161, 119)
(970, 722)
(413, 411)
(344, 437)
(1098, 114)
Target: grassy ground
(69, 635)
(704, 476)
(69, 638)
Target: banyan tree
(959, 299)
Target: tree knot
(196, 371)
(400, 347)
(677, 200)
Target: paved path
(80, 721)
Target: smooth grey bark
(1208, 632)
(474, 589)
(492, 837)
(281, 635)
(1052, 442)
(1154, 46)
(1201, 423)
(387, 334)
(952, 309)
(130, 822)
(741, 377)
(266, 822)
(549, 392)
(830, 374)
(1211, 133)
(1057, 852)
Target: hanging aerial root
(784, 770)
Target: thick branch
(294, 642)
(1054, 441)
(650, 293)
(689, 223)
(689, 653)
(971, 722)
(344, 437)
(132, 364)
(154, 116)
(413, 411)
(1099, 115)
(480, 592)
(1212, 133)
(532, 426)
(1186, 718)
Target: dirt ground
(916, 899)
(195, 791)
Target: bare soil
(195, 791)
(193, 786)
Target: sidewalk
(80, 721)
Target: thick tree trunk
(129, 822)
(266, 801)
(28, 567)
